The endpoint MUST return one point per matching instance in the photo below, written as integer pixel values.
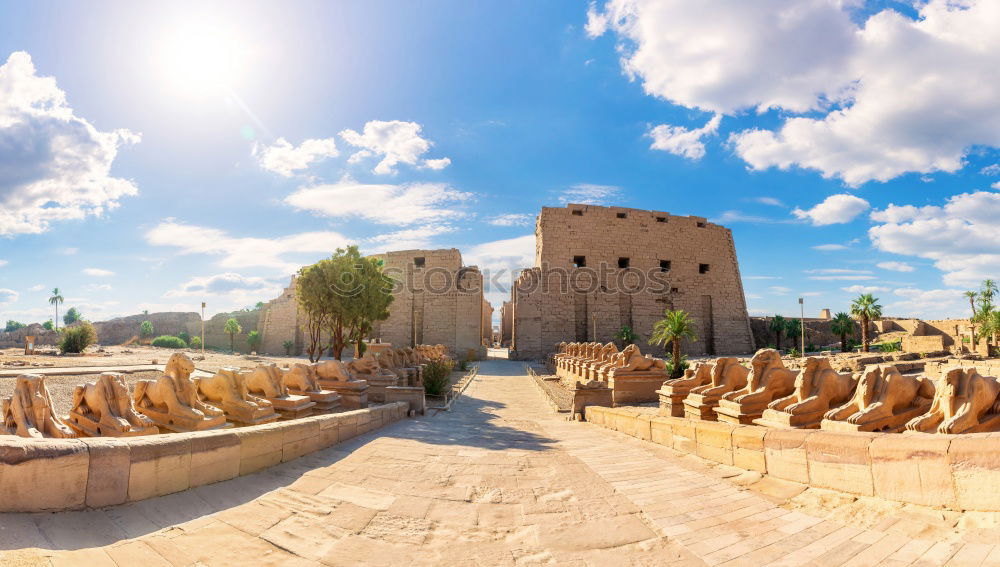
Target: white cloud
(780, 290)
(68, 251)
(3, 263)
(98, 272)
(896, 266)
(682, 141)
(240, 253)
(845, 278)
(407, 239)
(962, 237)
(995, 185)
(876, 85)
(769, 201)
(762, 277)
(37, 287)
(927, 304)
(838, 271)
(501, 261)
(739, 216)
(590, 194)
(991, 169)
(829, 247)
(54, 165)
(406, 204)
(864, 289)
(283, 158)
(226, 284)
(510, 219)
(8, 296)
(835, 209)
(396, 142)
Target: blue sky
(202, 153)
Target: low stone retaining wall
(958, 472)
(70, 474)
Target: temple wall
(685, 263)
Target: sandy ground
(12, 358)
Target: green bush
(437, 376)
(793, 352)
(77, 338)
(184, 336)
(48, 325)
(670, 365)
(253, 340)
(13, 326)
(146, 329)
(288, 347)
(169, 341)
(195, 342)
(890, 347)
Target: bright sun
(200, 59)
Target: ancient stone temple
(600, 268)
(438, 301)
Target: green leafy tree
(778, 326)
(195, 342)
(253, 341)
(793, 330)
(288, 347)
(865, 309)
(626, 336)
(971, 295)
(342, 295)
(842, 325)
(146, 329)
(13, 325)
(77, 339)
(675, 326)
(72, 316)
(47, 325)
(259, 305)
(56, 299)
(988, 291)
(233, 328)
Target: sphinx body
(28, 412)
(818, 388)
(964, 402)
(595, 369)
(301, 379)
(367, 368)
(227, 390)
(104, 408)
(172, 401)
(266, 381)
(768, 380)
(728, 375)
(884, 400)
(673, 391)
(335, 375)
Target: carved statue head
(179, 365)
(867, 384)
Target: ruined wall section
(558, 301)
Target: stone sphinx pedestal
(785, 420)
(353, 393)
(86, 426)
(413, 395)
(636, 387)
(168, 423)
(377, 384)
(739, 413)
(701, 406)
(243, 415)
(672, 398)
(325, 401)
(891, 424)
(292, 406)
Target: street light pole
(203, 330)
(802, 324)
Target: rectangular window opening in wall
(622, 215)
(701, 225)
(579, 261)
(664, 265)
(577, 213)
(702, 268)
(419, 261)
(661, 219)
(622, 263)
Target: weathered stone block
(110, 463)
(42, 474)
(785, 454)
(913, 468)
(299, 438)
(975, 467)
(714, 441)
(660, 431)
(643, 426)
(748, 448)
(215, 456)
(840, 461)
(160, 465)
(260, 447)
(683, 431)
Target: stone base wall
(39, 475)
(958, 472)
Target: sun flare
(200, 58)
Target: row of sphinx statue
(879, 398)
(177, 401)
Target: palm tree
(233, 328)
(972, 300)
(673, 328)
(865, 308)
(778, 326)
(56, 299)
(988, 291)
(842, 325)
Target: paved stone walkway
(500, 480)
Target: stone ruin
(818, 389)
(727, 376)
(632, 376)
(228, 390)
(172, 401)
(768, 380)
(884, 400)
(267, 381)
(104, 409)
(28, 412)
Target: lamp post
(203, 330)
(802, 324)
